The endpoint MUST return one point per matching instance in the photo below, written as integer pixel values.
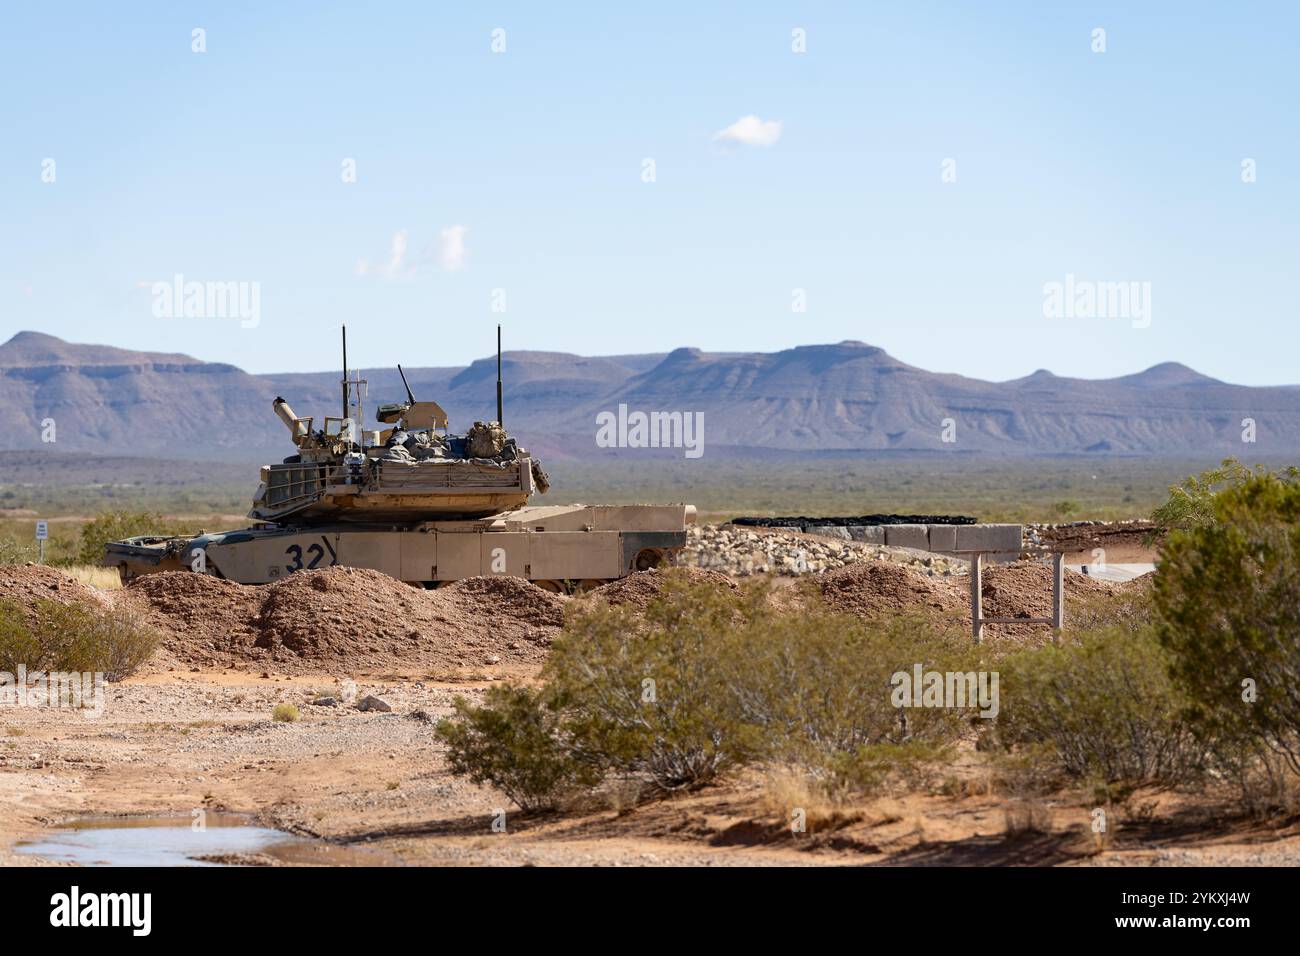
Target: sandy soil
(172, 742)
(194, 730)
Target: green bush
(120, 643)
(71, 637)
(514, 742)
(650, 694)
(819, 685)
(17, 645)
(1227, 593)
(1131, 608)
(14, 551)
(1065, 508)
(1191, 503)
(873, 768)
(284, 713)
(1105, 704)
(116, 525)
(703, 680)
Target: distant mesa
(848, 397)
(1168, 374)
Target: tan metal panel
(574, 555)
(371, 549)
(459, 556)
(506, 553)
(262, 560)
(419, 556)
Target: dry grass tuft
(797, 799)
(106, 579)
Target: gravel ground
(172, 743)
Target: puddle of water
(170, 841)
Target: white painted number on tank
(314, 554)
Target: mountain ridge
(841, 397)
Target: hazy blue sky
(523, 171)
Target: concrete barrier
(867, 533)
(943, 537)
(1000, 542)
(907, 536)
(988, 537)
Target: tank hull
(562, 547)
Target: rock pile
(1024, 589)
(25, 584)
(741, 551)
(1079, 535)
(638, 590)
(1018, 589)
(868, 588)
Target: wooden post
(1058, 594)
(976, 598)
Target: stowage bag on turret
(485, 440)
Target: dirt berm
(345, 619)
(1019, 589)
(25, 584)
(350, 620)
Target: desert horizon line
(662, 356)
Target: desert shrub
(1191, 503)
(115, 525)
(1026, 817)
(651, 693)
(1263, 780)
(1227, 594)
(1132, 607)
(121, 643)
(1065, 508)
(284, 713)
(1106, 705)
(14, 551)
(704, 680)
(72, 637)
(17, 645)
(1031, 770)
(875, 768)
(515, 742)
(819, 688)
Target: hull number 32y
(314, 554)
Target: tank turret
(414, 470)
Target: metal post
(41, 560)
(345, 371)
(976, 598)
(1058, 594)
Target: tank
(417, 502)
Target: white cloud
(448, 252)
(751, 131)
(451, 247)
(392, 269)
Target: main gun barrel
(291, 421)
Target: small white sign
(42, 531)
